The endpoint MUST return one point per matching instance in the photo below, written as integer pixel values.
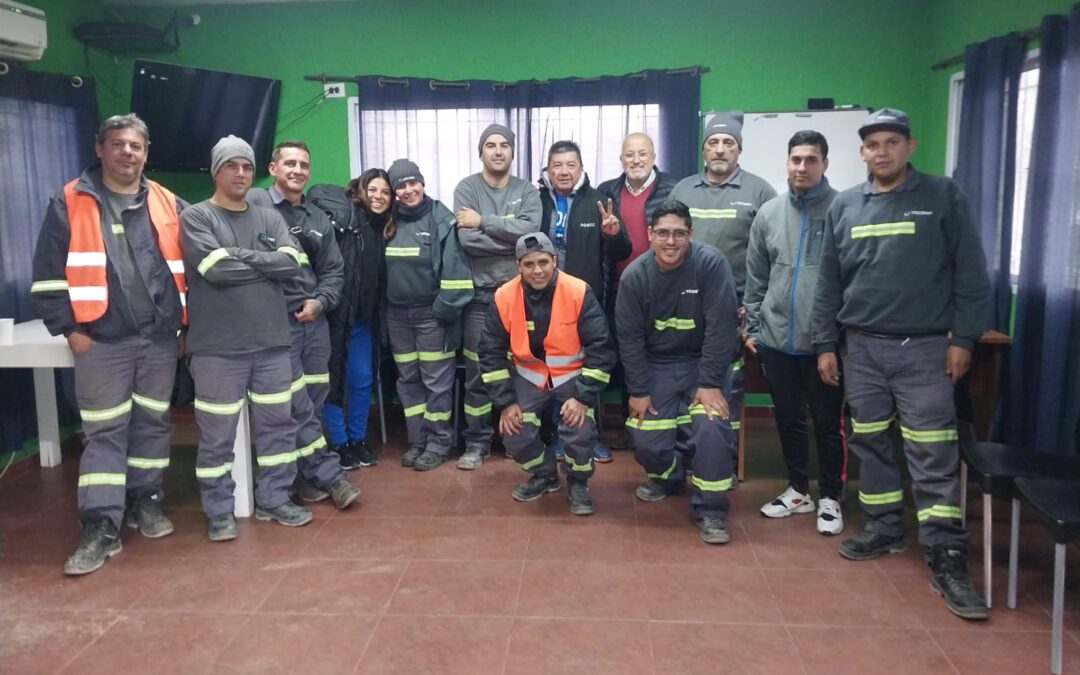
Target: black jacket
(590, 253)
(661, 190)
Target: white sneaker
(792, 501)
(829, 519)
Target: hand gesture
(466, 217)
(713, 401)
(573, 413)
(510, 420)
(609, 223)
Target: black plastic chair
(1057, 503)
(996, 466)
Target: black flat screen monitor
(189, 109)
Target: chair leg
(1014, 552)
(382, 406)
(1059, 609)
(963, 492)
(988, 547)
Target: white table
(33, 347)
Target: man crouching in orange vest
(545, 336)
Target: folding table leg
(1059, 609)
(988, 547)
(1014, 552)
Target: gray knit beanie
(228, 148)
(501, 131)
(729, 123)
(403, 170)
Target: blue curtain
(678, 92)
(986, 159)
(47, 123)
(1044, 368)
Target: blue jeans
(358, 379)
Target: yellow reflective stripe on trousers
(880, 498)
(219, 408)
(530, 418)
(663, 476)
(495, 376)
(478, 411)
(211, 259)
(406, 357)
(714, 213)
(309, 449)
(534, 462)
(435, 356)
(737, 365)
(677, 324)
(870, 427)
(297, 385)
(278, 459)
(939, 511)
(929, 436)
(456, 284)
(471, 355)
(316, 378)
(47, 285)
(274, 398)
(213, 471)
(107, 413)
(148, 463)
(711, 485)
(402, 251)
(436, 416)
(414, 410)
(598, 375)
(574, 466)
(650, 425)
(88, 479)
(883, 229)
(150, 403)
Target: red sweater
(632, 215)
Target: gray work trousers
(425, 376)
(123, 389)
(309, 354)
(709, 442)
(222, 384)
(530, 452)
(888, 378)
(478, 430)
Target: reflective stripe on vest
(564, 356)
(88, 286)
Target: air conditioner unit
(22, 31)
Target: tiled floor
(443, 572)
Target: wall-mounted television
(189, 109)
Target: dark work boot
(536, 487)
(307, 491)
(411, 455)
(949, 579)
(713, 530)
(343, 493)
(145, 514)
(868, 545)
(581, 503)
(99, 542)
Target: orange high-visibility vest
(88, 286)
(563, 355)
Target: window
(443, 142)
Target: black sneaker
(411, 455)
(581, 503)
(343, 493)
(713, 530)
(99, 542)
(346, 457)
(288, 514)
(651, 491)
(428, 460)
(535, 488)
(362, 453)
(146, 515)
(868, 545)
(221, 528)
(949, 579)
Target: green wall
(763, 54)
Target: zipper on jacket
(804, 213)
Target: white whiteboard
(766, 135)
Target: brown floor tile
(794, 543)
(39, 583)
(494, 501)
(709, 649)
(255, 539)
(707, 593)
(595, 590)
(389, 471)
(899, 651)
(445, 645)
(54, 535)
(986, 652)
(580, 539)
(541, 647)
(498, 469)
(152, 642)
(472, 588)
(210, 586)
(393, 500)
(367, 539)
(335, 587)
(614, 500)
(861, 596)
(678, 542)
(474, 539)
(42, 641)
(292, 643)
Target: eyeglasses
(677, 235)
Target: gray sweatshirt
(782, 263)
(506, 213)
(234, 262)
(722, 214)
